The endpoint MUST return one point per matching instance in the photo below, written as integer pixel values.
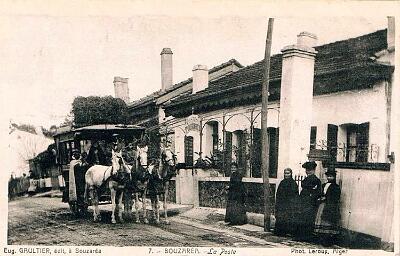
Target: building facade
(334, 100)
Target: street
(48, 221)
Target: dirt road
(47, 221)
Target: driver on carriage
(118, 162)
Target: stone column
(296, 103)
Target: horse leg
(120, 206)
(127, 202)
(96, 205)
(146, 221)
(165, 203)
(85, 195)
(113, 194)
(137, 207)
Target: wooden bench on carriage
(94, 144)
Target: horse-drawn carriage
(103, 163)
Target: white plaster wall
(364, 194)
(353, 107)
(179, 145)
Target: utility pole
(264, 125)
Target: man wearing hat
(308, 205)
(96, 155)
(328, 216)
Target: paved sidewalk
(213, 218)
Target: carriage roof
(99, 131)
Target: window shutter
(273, 134)
(256, 154)
(215, 137)
(228, 153)
(189, 150)
(362, 142)
(241, 149)
(332, 141)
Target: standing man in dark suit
(308, 203)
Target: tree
(49, 133)
(99, 110)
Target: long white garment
(326, 188)
(72, 184)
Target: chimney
(121, 88)
(296, 99)
(166, 68)
(306, 39)
(391, 33)
(200, 78)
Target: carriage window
(189, 150)
(64, 153)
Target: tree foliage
(47, 158)
(99, 110)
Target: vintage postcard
(200, 128)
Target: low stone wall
(213, 193)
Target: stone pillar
(166, 68)
(296, 103)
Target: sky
(47, 59)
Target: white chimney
(200, 78)
(306, 39)
(166, 68)
(121, 88)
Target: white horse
(99, 175)
(138, 183)
(159, 182)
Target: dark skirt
(235, 213)
(285, 221)
(324, 226)
(235, 207)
